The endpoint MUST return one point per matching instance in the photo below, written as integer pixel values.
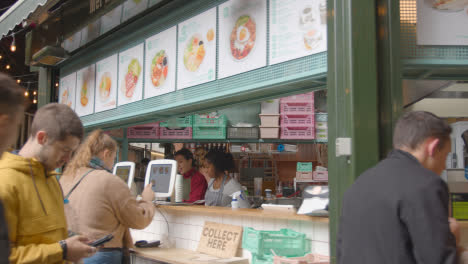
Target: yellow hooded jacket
(34, 210)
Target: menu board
(111, 19)
(90, 32)
(442, 22)
(197, 50)
(297, 29)
(106, 80)
(131, 75)
(85, 85)
(132, 8)
(160, 63)
(67, 90)
(73, 42)
(242, 36)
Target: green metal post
(352, 97)
(389, 60)
(45, 84)
(125, 146)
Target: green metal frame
(352, 97)
(273, 81)
(389, 71)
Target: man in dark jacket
(11, 113)
(397, 211)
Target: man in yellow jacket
(11, 113)
(32, 196)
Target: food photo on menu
(131, 78)
(159, 68)
(243, 37)
(105, 86)
(160, 63)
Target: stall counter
(181, 256)
(180, 227)
(244, 212)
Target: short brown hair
(58, 121)
(413, 128)
(11, 95)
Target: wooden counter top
(183, 256)
(243, 212)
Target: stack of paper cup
(179, 188)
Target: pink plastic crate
(144, 131)
(307, 97)
(305, 132)
(298, 120)
(307, 259)
(297, 108)
(184, 133)
(304, 176)
(320, 176)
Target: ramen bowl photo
(243, 36)
(194, 53)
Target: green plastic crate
(259, 260)
(209, 132)
(321, 117)
(204, 121)
(285, 242)
(304, 166)
(185, 121)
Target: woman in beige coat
(98, 203)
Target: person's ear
(41, 137)
(432, 145)
(106, 153)
(4, 120)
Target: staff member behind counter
(221, 186)
(192, 177)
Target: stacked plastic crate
(178, 128)
(209, 126)
(297, 116)
(269, 119)
(304, 171)
(147, 131)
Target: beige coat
(102, 204)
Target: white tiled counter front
(185, 225)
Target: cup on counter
(258, 182)
(268, 194)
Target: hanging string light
(7, 67)
(13, 44)
(18, 81)
(1, 57)
(34, 101)
(26, 93)
(34, 93)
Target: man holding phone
(31, 194)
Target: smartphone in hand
(101, 241)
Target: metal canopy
(17, 13)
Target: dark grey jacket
(396, 213)
(4, 242)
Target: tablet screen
(160, 176)
(123, 172)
